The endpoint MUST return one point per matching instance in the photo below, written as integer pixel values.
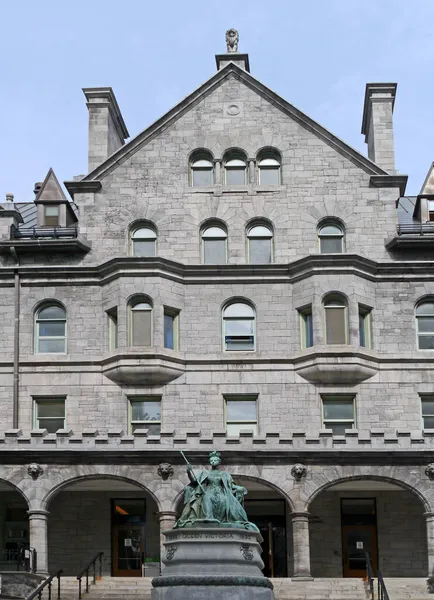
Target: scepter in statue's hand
(191, 473)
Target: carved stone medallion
(170, 552)
(246, 551)
(165, 470)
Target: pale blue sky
(317, 54)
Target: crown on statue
(216, 454)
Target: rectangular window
(145, 413)
(338, 413)
(49, 413)
(365, 326)
(112, 321)
(306, 327)
(427, 402)
(214, 252)
(51, 214)
(241, 414)
(430, 210)
(171, 328)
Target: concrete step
(407, 588)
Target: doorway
(359, 535)
(270, 518)
(128, 537)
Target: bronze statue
(213, 498)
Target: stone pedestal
(212, 563)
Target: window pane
(239, 309)
(335, 325)
(46, 345)
(428, 423)
(51, 211)
(425, 324)
(338, 409)
(153, 428)
(202, 177)
(241, 410)
(235, 428)
(269, 176)
(51, 408)
(144, 248)
(141, 327)
(240, 344)
(331, 245)
(427, 308)
(235, 176)
(308, 329)
(51, 425)
(51, 312)
(52, 328)
(145, 410)
(338, 428)
(426, 342)
(428, 407)
(330, 230)
(365, 329)
(144, 233)
(260, 251)
(169, 322)
(241, 327)
(214, 252)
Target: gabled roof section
(50, 190)
(205, 89)
(428, 184)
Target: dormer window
(430, 210)
(51, 215)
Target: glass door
(128, 550)
(356, 541)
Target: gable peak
(49, 190)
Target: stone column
(167, 519)
(251, 172)
(300, 533)
(38, 538)
(218, 172)
(429, 517)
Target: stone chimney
(377, 124)
(107, 130)
(232, 54)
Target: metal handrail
(85, 571)
(382, 591)
(40, 588)
(43, 232)
(415, 228)
(370, 575)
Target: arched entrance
(268, 509)
(379, 516)
(14, 529)
(106, 514)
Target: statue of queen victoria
(212, 498)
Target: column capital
(38, 513)
(301, 516)
(428, 515)
(167, 514)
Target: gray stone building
(233, 278)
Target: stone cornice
(82, 187)
(308, 266)
(389, 181)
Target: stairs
(321, 589)
(138, 588)
(407, 588)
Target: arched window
(239, 327)
(214, 245)
(269, 168)
(260, 244)
(331, 238)
(201, 169)
(140, 322)
(50, 329)
(235, 166)
(143, 241)
(336, 320)
(425, 325)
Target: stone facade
(147, 181)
